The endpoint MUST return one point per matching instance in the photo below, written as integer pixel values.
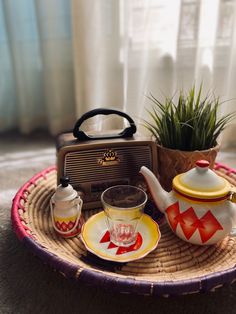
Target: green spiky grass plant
(191, 124)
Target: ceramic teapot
(66, 205)
(200, 208)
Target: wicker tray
(175, 267)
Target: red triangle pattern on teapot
(189, 219)
(210, 226)
(207, 225)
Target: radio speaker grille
(82, 166)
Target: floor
(27, 285)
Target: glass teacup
(123, 206)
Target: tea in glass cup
(123, 206)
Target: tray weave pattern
(175, 267)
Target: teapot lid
(201, 183)
(64, 191)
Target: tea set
(200, 210)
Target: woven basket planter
(175, 267)
(173, 161)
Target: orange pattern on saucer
(122, 249)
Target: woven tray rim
(105, 279)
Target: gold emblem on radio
(109, 158)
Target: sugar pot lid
(201, 183)
(64, 191)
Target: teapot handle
(232, 198)
(79, 206)
(232, 195)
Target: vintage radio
(95, 163)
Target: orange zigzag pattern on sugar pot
(207, 225)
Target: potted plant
(185, 131)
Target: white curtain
(36, 65)
(62, 58)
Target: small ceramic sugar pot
(200, 207)
(66, 205)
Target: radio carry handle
(82, 136)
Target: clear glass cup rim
(126, 208)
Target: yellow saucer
(94, 236)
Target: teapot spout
(159, 195)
